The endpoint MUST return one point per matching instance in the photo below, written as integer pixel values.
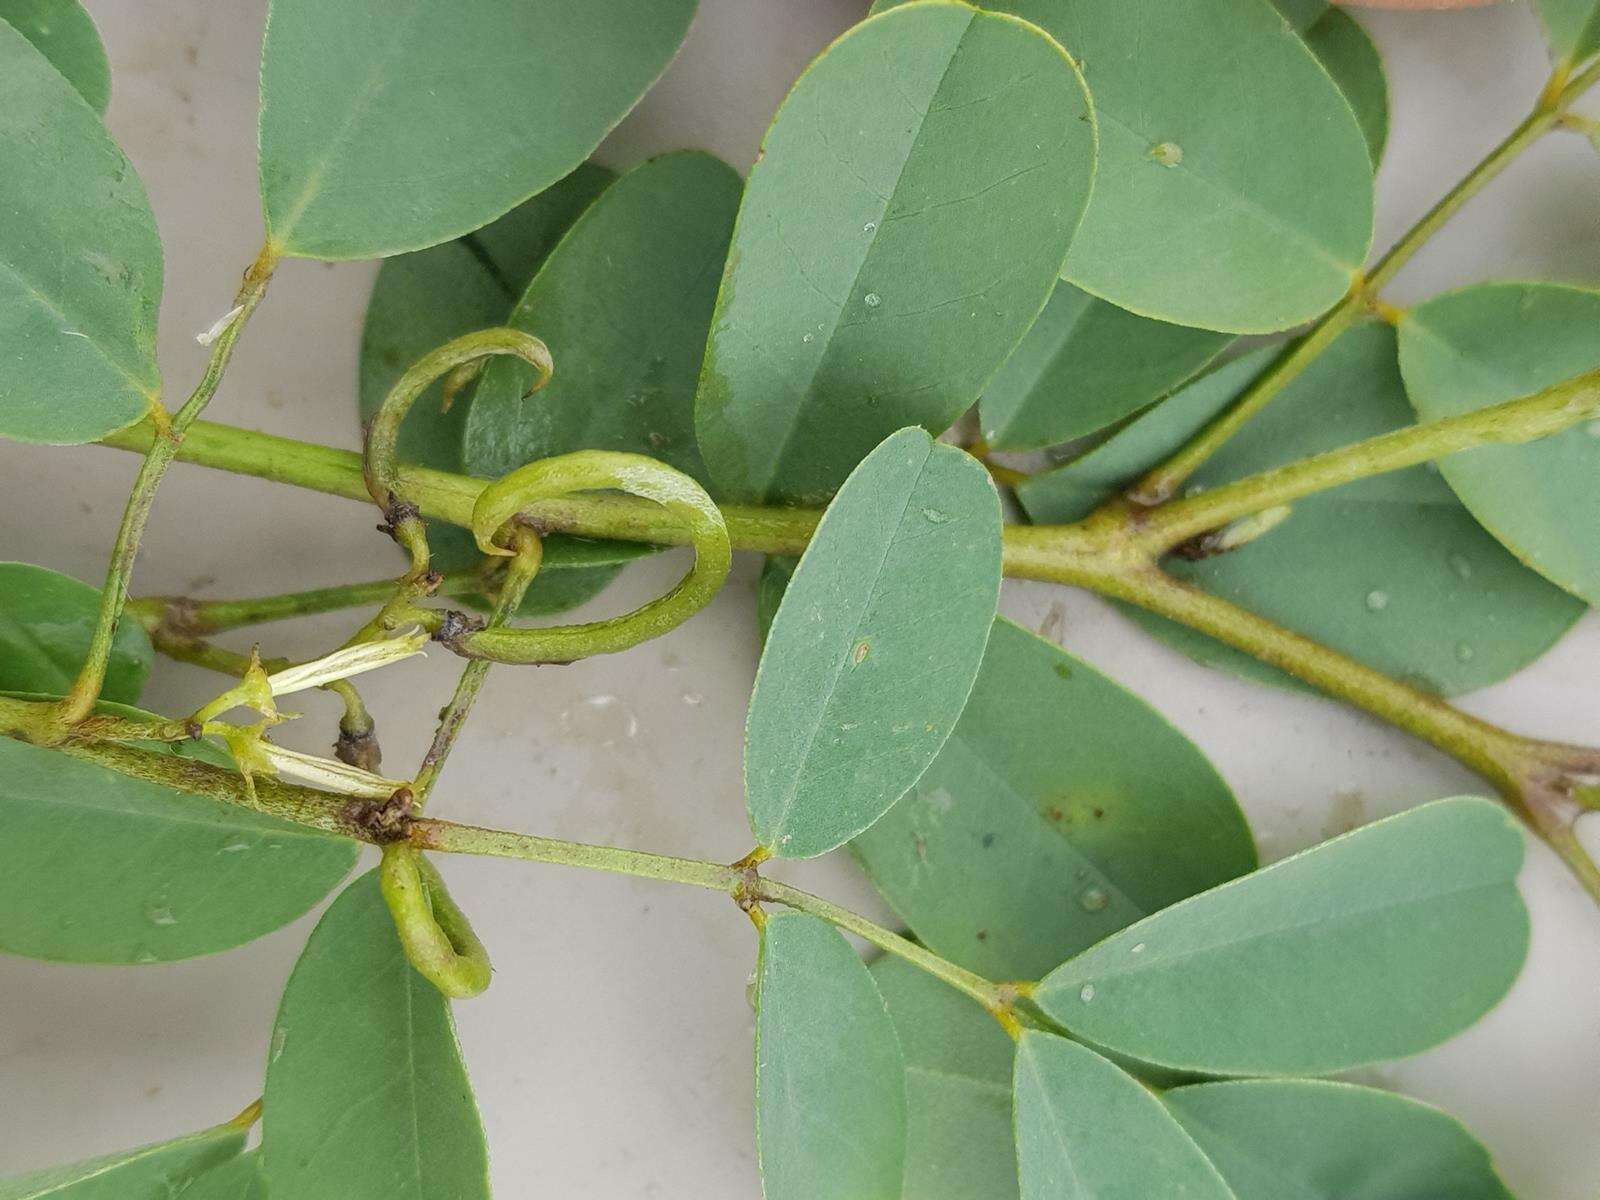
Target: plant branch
(1548, 783)
(169, 433)
(1514, 422)
(186, 617)
(1161, 483)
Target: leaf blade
(210, 876)
(824, 1044)
(847, 309)
(80, 263)
(360, 1033)
(159, 1169)
(1397, 936)
(1078, 1114)
(1493, 342)
(66, 34)
(1061, 809)
(830, 695)
(340, 148)
(46, 623)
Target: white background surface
(612, 1055)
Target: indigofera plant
(1059, 214)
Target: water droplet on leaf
(1461, 565)
(872, 299)
(1093, 899)
(1377, 601)
(1086, 992)
(1465, 652)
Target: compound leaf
(1239, 209)
(1391, 570)
(448, 116)
(1378, 944)
(875, 645)
(1061, 809)
(830, 1079)
(80, 263)
(915, 196)
(1494, 342)
(366, 1094)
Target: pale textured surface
(620, 1005)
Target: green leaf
(915, 197)
(394, 125)
(1084, 365)
(958, 1089)
(1494, 342)
(80, 263)
(1391, 571)
(1347, 52)
(100, 867)
(154, 1172)
(1375, 945)
(1240, 209)
(366, 1094)
(1316, 1140)
(830, 1080)
(1087, 1130)
(862, 677)
(1061, 809)
(66, 35)
(1572, 27)
(46, 622)
(776, 571)
(624, 303)
(424, 299)
(239, 1178)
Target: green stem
(1162, 482)
(1514, 422)
(79, 700)
(519, 575)
(1544, 781)
(735, 880)
(183, 616)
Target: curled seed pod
(437, 937)
(382, 473)
(589, 470)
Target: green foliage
(824, 1044)
(861, 680)
(1369, 568)
(66, 35)
(1494, 342)
(429, 297)
(1190, 221)
(1317, 1140)
(1087, 1129)
(1346, 51)
(366, 1095)
(898, 236)
(46, 620)
(210, 876)
(624, 303)
(240, 1178)
(80, 263)
(1061, 809)
(362, 163)
(154, 1172)
(958, 1089)
(1573, 27)
(1084, 365)
(1396, 937)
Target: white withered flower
(341, 664)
